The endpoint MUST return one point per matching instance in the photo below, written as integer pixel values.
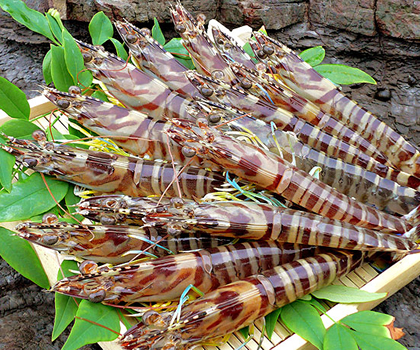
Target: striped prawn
(154, 60)
(131, 86)
(389, 190)
(238, 304)
(166, 278)
(218, 91)
(246, 220)
(108, 243)
(134, 131)
(112, 173)
(271, 172)
(303, 79)
(205, 56)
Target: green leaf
(124, 320)
(313, 56)
(31, 19)
(317, 305)
(100, 28)
(244, 332)
(270, 322)
(370, 317)
(21, 129)
(84, 332)
(54, 21)
(100, 95)
(13, 100)
(59, 73)
(247, 48)
(19, 254)
(187, 62)
(339, 337)
(344, 75)
(121, 51)
(71, 199)
(55, 27)
(7, 162)
(304, 320)
(65, 306)
(369, 322)
(46, 67)
(343, 294)
(373, 342)
(74, 61)
(174, 46)
(30, 197)
(157, 32)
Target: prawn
(166, 278)
(271, 172)
(107, 243)
(238, 304)
(303, 79)
(111, 173)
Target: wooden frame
(365, 278)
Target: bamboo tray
(365, 278)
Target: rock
(383, 94)
(236, 13)
(282, 15)
(399, 18)
(138, 11)
(355, 16)
(411, 80)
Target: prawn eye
(87, 57)
(63, 104)
(246, 83)
(180, 28)
(206, 91)
(29, 162)
(39, 135)
(97, 297)
(131, 38)
(214, 118)
(219, 41)
(151, 318)
(107, 220)
(268, 49)
(261, 54)
(188, 152)
(87, 267)
(98, 60)
(49, 240)
(110, 203)
(217, 74)
(50, 219)
(75, 90)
